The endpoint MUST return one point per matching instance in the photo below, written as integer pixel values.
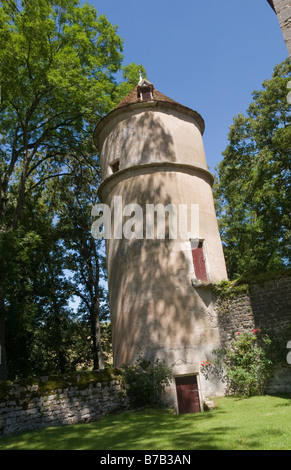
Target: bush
(245, 367)
(145, 382)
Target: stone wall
(52, 401)
(264, 304)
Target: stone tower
(161, 302)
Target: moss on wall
(242, 285)
(41, 386)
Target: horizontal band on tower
(148, 168)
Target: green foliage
(230, 289)
(241, 285)
(146, 381)
(245, 367)
(131, 73)
(58, 66)
(35, 290)
(252, 189)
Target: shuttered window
(199, 262)
(146, 95)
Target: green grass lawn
(257, 423)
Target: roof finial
(140, 76)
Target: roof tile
(133, 97)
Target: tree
(58, 62)
(83, 254)
(252, 190)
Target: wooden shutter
(199, 262)
(146, 94)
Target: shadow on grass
(284, 396)
(152, 429)
(255, 423)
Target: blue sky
(207, 55)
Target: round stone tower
(163, 245)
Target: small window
(115, 166)
(199, 261)
(146, 94)
(145, 90)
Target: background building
(283, 10)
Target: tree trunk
(98, 358)
(21, 189)
(3, 360)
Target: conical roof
(134, 97)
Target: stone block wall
(264, 304)
(283, 11)
(54, 401)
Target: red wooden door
(187, 394)
(199, 262)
